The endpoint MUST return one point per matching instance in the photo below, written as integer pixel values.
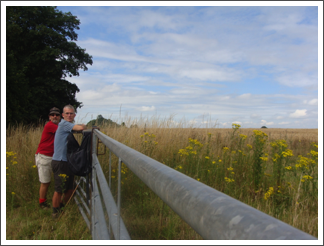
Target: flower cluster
(286, 153)
(194, 145)
(268, 193)
(195, 142)
(225, 149)
(279, 143)
(236, 126)
(305, 177)
(63, 175)
(228, 180)
(243, 136)
(12, 155)
(304, 162)
(264, 158)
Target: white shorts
(44, 166)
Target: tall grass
(273, 170)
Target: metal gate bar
(211, 213)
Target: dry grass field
(273, 170)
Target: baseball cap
(54, 111)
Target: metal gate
(212, 214)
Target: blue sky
(251, 65)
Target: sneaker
(44, 205)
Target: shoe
(55, 215)
(44, 205)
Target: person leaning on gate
(63, 177)
(44, 153)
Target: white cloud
(264, 122)
(313, 102)
(298, 79)
(237, 122)
(298, 113)
(244, 96)
(145, 108)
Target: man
(44, 153)
(63, 177)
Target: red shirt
(46, 144)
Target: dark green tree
(41, 54)
(101, 121)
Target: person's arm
(80, 127)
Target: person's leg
(43, 190)
(67, 196)
(44, 167)
(58, 186)
(69, 183)
(56, 200)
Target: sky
(203, 65)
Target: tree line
(41, 54)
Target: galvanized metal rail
(212, 214)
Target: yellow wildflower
(307, 177)
(268, 193)
(228, 180)
(286, 153)
(236, 126)
(207, 157)
(183, 152)
(243, 136)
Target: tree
(101, 121)
(41, 54)
(264, 127)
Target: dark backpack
(79, 156)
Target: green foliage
(40, 55)
(264, 127)
(101, 121)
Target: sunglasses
(54, 115)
